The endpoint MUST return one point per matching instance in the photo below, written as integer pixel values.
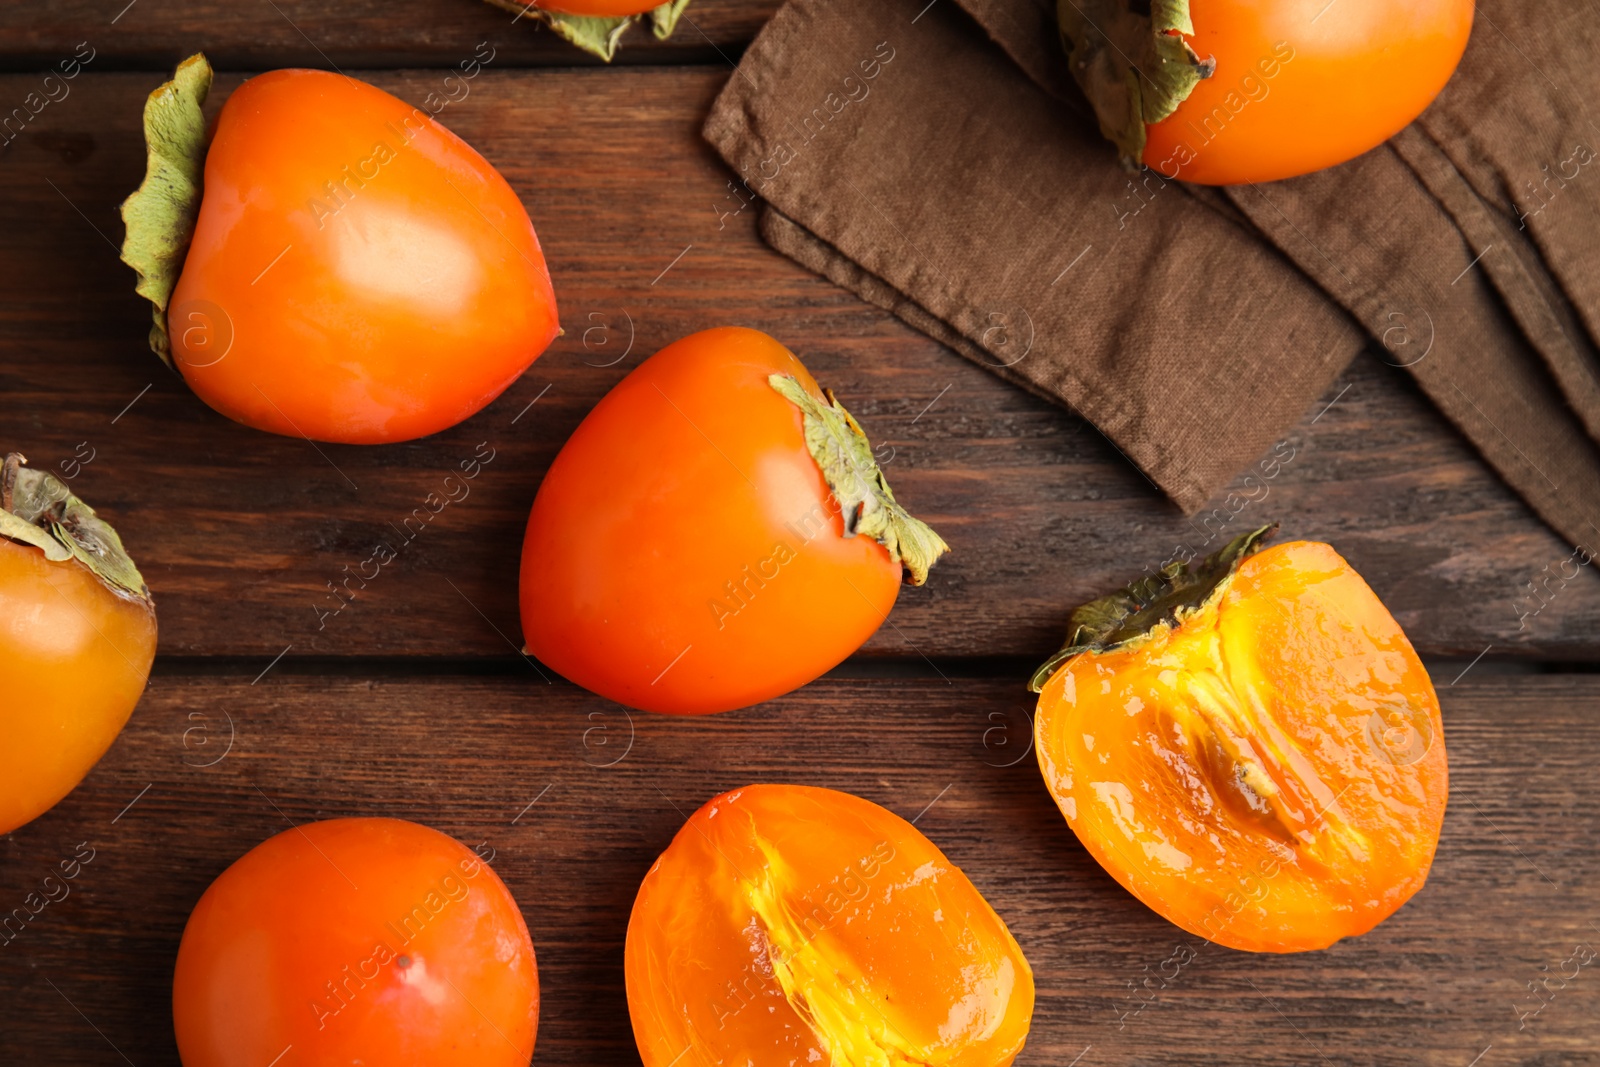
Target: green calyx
(1133, 62)
(159, 216)
(37, 509)
(1167, 597)
(596, 35)
(840, 447)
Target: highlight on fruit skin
(790, 924)
(1250, 746)
(716, 533)
(327, 261)
(368, 941)
(77, 639)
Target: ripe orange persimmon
(77, 638)
(354, 272)
(787, 924)
(1250, 746)
(1226, 91)
(356, 941)
(714, 534)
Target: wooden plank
(351, 35)
(1510, 893)
(239, 532)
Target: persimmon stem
(160, 215)
(1133, 62)
(37, 509)
(596, 34)
(1166, 597)
(840, 446)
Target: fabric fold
(913, 162)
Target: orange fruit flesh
(794, 925)
(1269, 774)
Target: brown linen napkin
(1421, 242)
(908, 159)
(1502, 347)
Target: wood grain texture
(348, 35)
(1512, 890)
(239, 533)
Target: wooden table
(411, 702)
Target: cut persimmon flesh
(794, 925)
(1252, 748)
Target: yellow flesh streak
(823, 985)
(1222, 702)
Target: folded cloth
(1466, 245)
(1487, 299)
(906, 158)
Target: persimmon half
(714, 534)
(343, 269)
(356, 941)
(1250, 746)
(77, 638)
(789, 924)
(1220, 92)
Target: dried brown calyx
(1133, 60)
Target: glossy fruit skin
(357, 941)
(358, 273)
(75, 657)
(684, 553)
(1297, 95)
(1299, 669)
(883, 932)
(602, 8)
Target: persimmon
(356, 941)
(789, 924)
(335, 264)
(714, 534)
(77, 638)
(1226, 91)
(597, 26)
(1250, 746)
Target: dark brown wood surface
(1510, 895)
(239, 533)
(350, 34)
(410, 702)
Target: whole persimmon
(356, 941)
(345, 268)
(1250, 746)
(77, 638)
(1227, 91)
(789, 924)
(714, 534)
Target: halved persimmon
(1250, 746)
(788, 924)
